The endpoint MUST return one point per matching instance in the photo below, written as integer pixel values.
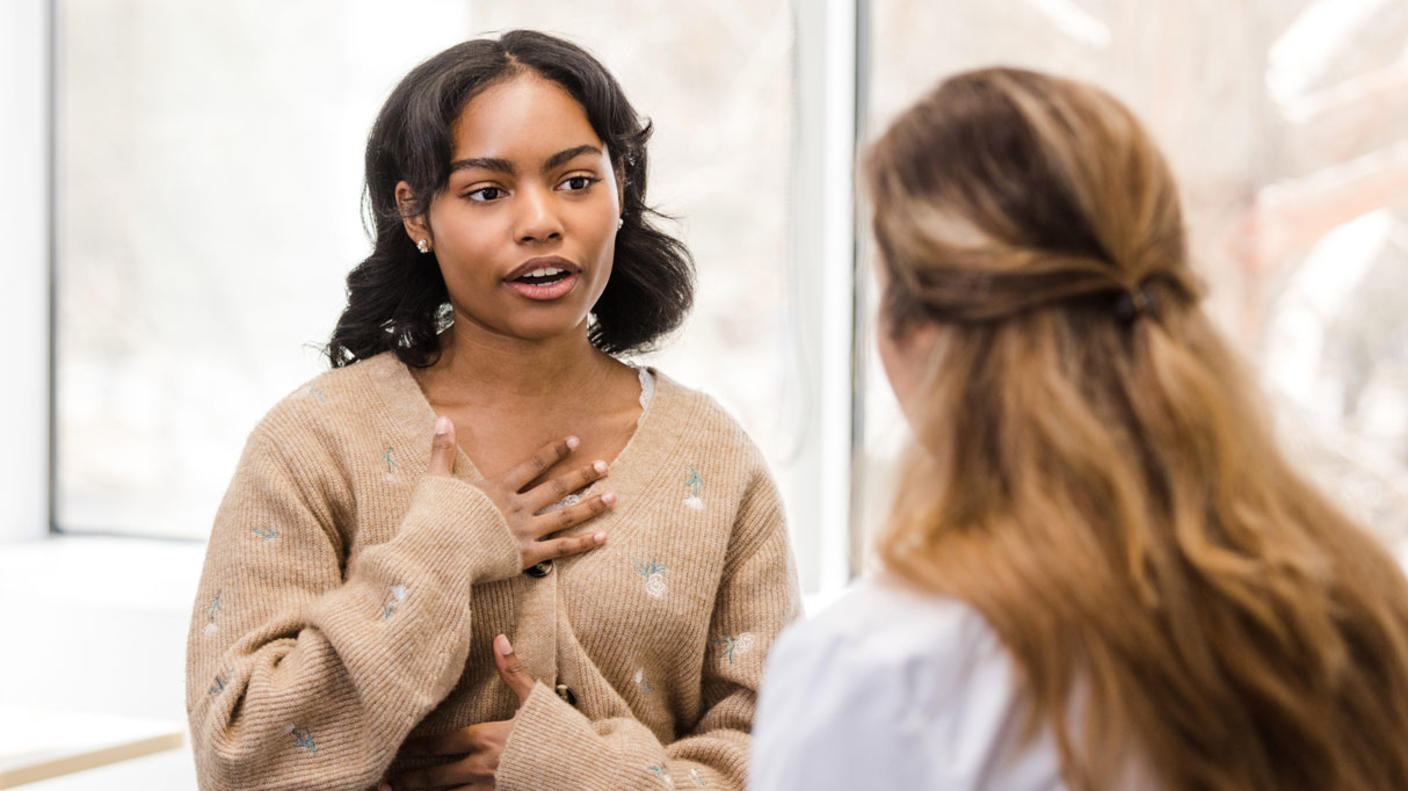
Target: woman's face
(525, 231)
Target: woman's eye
(485, 194)
(578, 183)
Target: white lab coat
(894, 689)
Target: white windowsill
(113, 572)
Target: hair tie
(1132, 304)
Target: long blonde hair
(1094, 473)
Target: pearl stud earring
(423, 246)
(620, 223)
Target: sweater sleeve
(553, 745)
(304, 674)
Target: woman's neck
(481, 368)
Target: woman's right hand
(522, 508)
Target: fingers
(561, 548)
(442, 448)
(539, 462)
(511, 669)
(472, 770)
(552, 491)
(458, 742)
(564, 518)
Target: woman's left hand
(478, 747)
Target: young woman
(1100, 572)
(425, 573)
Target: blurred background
(184, 203)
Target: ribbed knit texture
(349, 602)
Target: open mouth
(544, 276)
(544, 280)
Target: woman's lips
(547, 291)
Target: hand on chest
(644, 598)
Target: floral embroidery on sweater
(298, 465)
(217, 687)
(266, 533)
(697, 777)
(302, 737)
(566, 502)
(694, 484)
(654, 574)
(214, 607)
(313, 390)
(398, 595)
(734, 647)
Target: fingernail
(609, 498)
(505, 647)
(442, 427)
(572, 443)
(600, 538)
(600, 467)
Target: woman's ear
(620, 172)
(413, 215)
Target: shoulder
(338, 420)
(701, 423)
(341, 397)
(698, 438)
(878, 628)
(895, 684)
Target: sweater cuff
(448, 515)
(553, 745)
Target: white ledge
(114, 572)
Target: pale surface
(38, 745)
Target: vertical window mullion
(823, 258)
(25, 145)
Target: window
(207, 184)
(1287, 126)
(208, 187)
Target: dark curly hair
(395, 300)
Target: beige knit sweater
(348, 602)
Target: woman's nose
(537, 218)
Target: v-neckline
(413, 414)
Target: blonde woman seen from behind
(1099, 572)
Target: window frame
(830, 38)
(26, 464)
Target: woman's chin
(549, 329)
(534, 322)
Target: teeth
(548, 272)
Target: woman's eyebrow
(483, 163)
(565, 156)
(505, 166)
